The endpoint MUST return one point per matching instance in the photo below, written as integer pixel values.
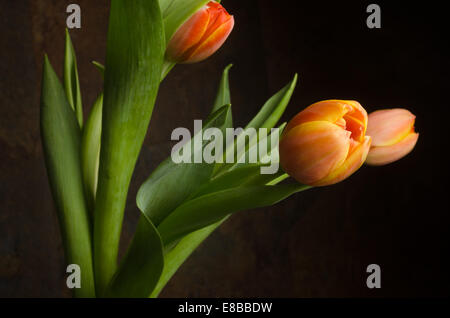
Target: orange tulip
(325, 143)
(393, 136)
(201, 36)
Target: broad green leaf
(242, 176)
(60, 135)
(134, 57)
(166, 68)
(71, 81)
(212, 207)
(164, 190)
(90, 151)
(153, 197)
(175, 257)
(142, 266)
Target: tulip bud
(325, 143)
(201, 36)
(393, 136)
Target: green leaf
(267, 117)
(142, 266)
(164, 5)
(71, 81)
(176, 12)
(162, 192)
(210, 208)
(223, 95)
(240, 176)
(61, 144)
(245, 175)
(134, 57)
(176, 257)
(90, 151)
(254, 146)
(231, 182)
(167, 67)
(272, 110)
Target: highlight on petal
(387, 154)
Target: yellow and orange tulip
(393, 135)
(325, 143)
(201, 36)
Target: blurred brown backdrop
(317, 244)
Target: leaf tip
(47, 65)
(295, 79)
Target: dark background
(315, 244)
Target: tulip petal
(386, 154)
(356, 121)
(210, 45)
(351, 164)
(188, 35)
(310, 151)
(348, 114)
(329, 110)
(389, 126)
(218, 17)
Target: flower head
(200, 36)
(393, 135)
(325, 143)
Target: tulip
(393, 136)
(201, 36)
(325, 143)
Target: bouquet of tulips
(206, 178)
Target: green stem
(109, 211)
